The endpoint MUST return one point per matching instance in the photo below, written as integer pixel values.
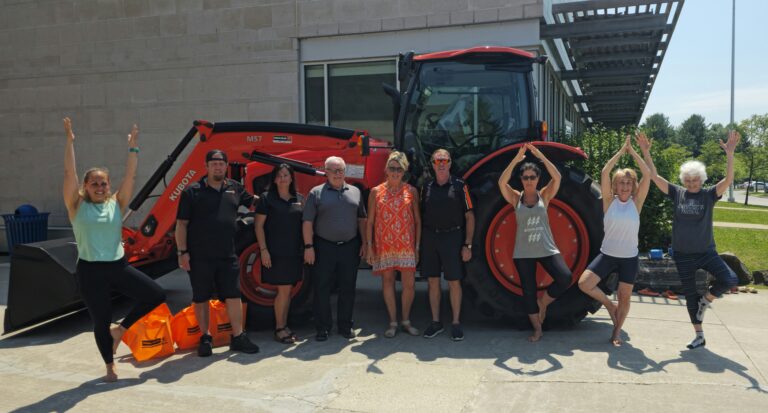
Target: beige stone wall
(164, 63)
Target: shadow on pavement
(708, 362)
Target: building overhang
(609, 53)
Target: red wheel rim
(250, 279)
(570, 236)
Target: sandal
(391, 330)
(286, 339)
(648, 292)
(291, 333)
(670, 295)
(408, 328)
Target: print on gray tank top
(534, 237)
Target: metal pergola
(613, 53)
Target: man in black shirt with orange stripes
(446, 241)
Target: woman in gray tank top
(533, 241)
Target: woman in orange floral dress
(394, 230)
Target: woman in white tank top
(623, 200)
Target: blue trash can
(24, 226)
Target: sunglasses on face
(441, 161)
(395, 169)
(335, 171)
(529, 177)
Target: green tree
(658, 128)
(713, 156)
(755, 156)
(692, 133)
(601, 144)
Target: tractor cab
(471, 102)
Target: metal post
(733, 64)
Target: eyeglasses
(335, 171)
(441, 161)
(395, 169)
(529, 177)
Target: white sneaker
(697, 342)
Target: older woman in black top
(278, 230)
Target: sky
(695, 75)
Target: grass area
(739, 205)
(750, 245)
(747, 217)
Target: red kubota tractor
(478, 103)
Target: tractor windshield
(469, 108)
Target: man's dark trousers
(335, 265)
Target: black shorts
(209, 274)
(603, 265)
(441, 253)
(284, 270)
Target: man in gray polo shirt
(334, 216)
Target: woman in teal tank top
(534, 243)
(96, 216)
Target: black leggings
(555, 266)
(98, 279)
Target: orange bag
(150, 337)
(220, 327)
(185, 329)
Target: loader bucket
(42, 283)
(43, 286)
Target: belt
(337, 243)
(444, 230)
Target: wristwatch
(469, 246)
(308, 246)
(181, 252)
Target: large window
(349, 95)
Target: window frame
(325, 64)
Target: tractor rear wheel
(575, 216)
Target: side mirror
(404, 65)
(393, 94)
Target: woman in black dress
(278, 231)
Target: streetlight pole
(733, 65)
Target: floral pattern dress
(394, 238)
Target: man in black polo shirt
(205, 239)
(334, 215)
(448, 224)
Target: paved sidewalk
(739, 225)
(57, 367)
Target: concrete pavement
(57, 367)
(739, 196)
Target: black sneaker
(205, 348)
(434, 329)
(457, 333)
(321, 336)
(349, 334)
(242, 344)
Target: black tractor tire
(259, 316)
(494, 300)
